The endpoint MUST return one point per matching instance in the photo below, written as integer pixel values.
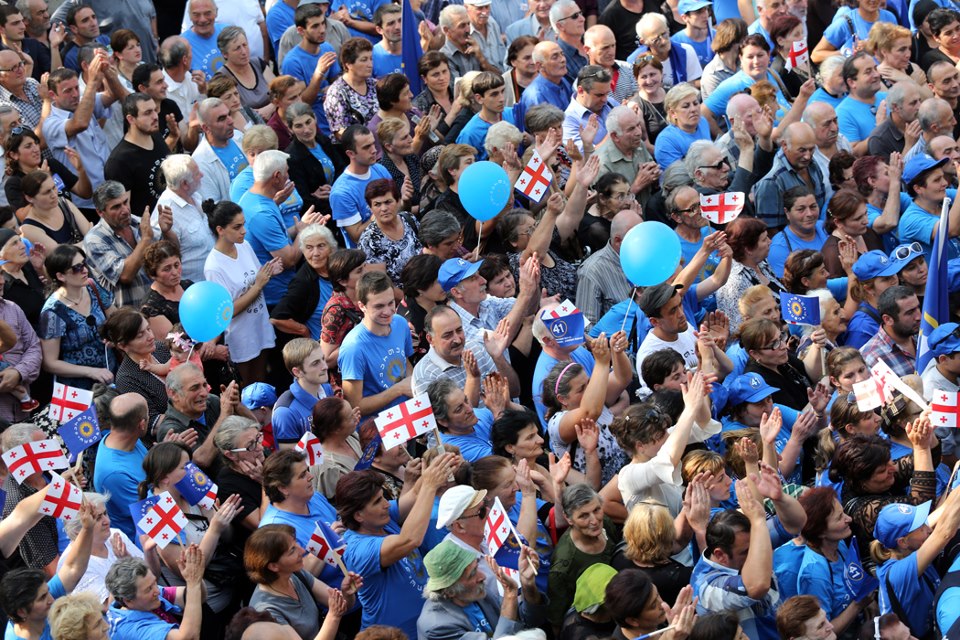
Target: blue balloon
(650, 253)
(484, 190)
(206, 310)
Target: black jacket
(307, 172)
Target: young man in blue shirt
(857, 113)
(313, 61)
(305, 361)
(350, 208)
(387, 57)
(488, 91)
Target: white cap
(455, 501)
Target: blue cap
(750, 387)
(257, 395)
(918, 164)
(874, 264)
(898, 520)
(688, 6)
(456, 270)
(943, 340)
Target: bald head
(600, 45)
(16, 75)
(127, 412)
(944, 147)
(799, 143)
(822, 118)
(797, 134)
(621, 225)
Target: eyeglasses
(19, 65)
(253, 446)
(480, 514)
(572, 16)
(78, 268)
(660, 36)
(626, 195)
(695, 209)
(718, 166)
(905, 251)
(778, 343)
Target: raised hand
(470, 364)
(770, 426)
(442, 467)
(749, 505)
(693, 391)
(588, 132)
(548, 146)
(697, 503)
(601, 350)
(588, 171)
(768, 482)
(226, 513)
(118, 545)
(588, 435)
(191, 565)
(497, 341)
(281, 196)
(746, 448)
(560, 469)
(524, 481)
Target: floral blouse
(339, 316)
(560, 279)
(393, 253)
(80, 341)
(742, 278)
(345, 107)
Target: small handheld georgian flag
(68, 402)
(325, 543)
(62, 499)
(945, 409)
(535, 180)
(868, 394)
(164, 521)
(721, 208)
(140, 509)
(80, 433)
(890, 380)
(196, 487)
(405, 421)
(797, 309)
(497, 528)
(309, 444)
(34, 457)
(798, 55)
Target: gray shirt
(301, 614)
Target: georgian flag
(34, 457)
(868, 394)
(326, 544)
(405, 421)
(534, 181)
(68, 402)
(62, 500)
(721, 208)
(798, 55)
(309, 444)
(944, 408)
(164, 520)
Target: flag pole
(626, 313)
(339, 560)
(823, 358)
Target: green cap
(592, 586)
(445, 564)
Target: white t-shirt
(93, 580)
(685, 345)
(250, 332)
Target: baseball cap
(919, 164)
(477, 3)
(592, 586)
(945, 339)
(874, 264)
(445, 563)
(455, 501)
(750, 387)
(686, 6)
(257, 395)
(653, 298)
(898, 520)
(456, 270)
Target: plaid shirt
(106, 254)
(721, 588)
(882, 347)
(30, 108)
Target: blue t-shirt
(862, 326)
(347, 201)
(57, 590)
(857, 119)
(916, 225)
(890, 238)
(362, 10)
(393, 593)
(290, 208)
(474, 133)
(301, 64)
(206, 55)
(689, 249)
(838, 33)
(127, 624)
(119, 473)
(325, 162)
(544, 364)
(823, 579)
(672, 142)
(314, 322)
(786, 242)
(821, 95)
(737, 83)
(787, 559)
(293, 410)
(379, 361)
(384, 62)
(279, 19)
(319, 509)
(613, 319)
(477, 445)
(757, 27)
(266, 232)
(948, 608)
(704, 52)
(232, 158)
(913, 591)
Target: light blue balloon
(650, 253)
(206, 310)
(484, 190)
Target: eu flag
(369, 453)
(410, 45)
(82, 431)
(797, 309)
(196, 487)
(936, 305)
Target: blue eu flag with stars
(797, 309)
(81, 432)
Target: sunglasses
(19, 130)
(572, 16)
(480, 514)
(905, 251)
(78, 268)
(723, 163)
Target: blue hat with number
(898, 520)
(750, 387)
(874, 264)
(456, 270)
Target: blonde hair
(465, 88)
(388, 129)
(298, 350)
(883, 35)
(677, 94)
(259, 137)
(701, 461)
(880, 553)
(753, 296)
(648, 533)
(70, 615)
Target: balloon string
(479, 236)
(626, 314)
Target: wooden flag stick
(823, 358)
(343, 567)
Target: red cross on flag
(164, 521)
(405, 421)
(945, 409)
(721, 208)
(310, 445)
(62, 499)
(890, 380)
(68, 402)
(34, 457)
(798, 55)
(497, 528)
(868, 394)
(564, 309)
(535, 180)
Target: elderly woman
(341, 313)
(833, 321)
(687, 125)
(847, 222)
(285, 91)
(352, 98)
(396, 101)
(109, 545)
(161, 308)
(22, 283)
(70, 322)
(832, 89)
(383, 541)
(460, 424)
(524, 237)
(892, 45)
(22, 154)
(392, 239)
(726, 47)
(521, 69)
(78, 616)
(49, 219)
(290, 593)
(401, 159)
(233, 264)
(225, 87)
(142, 609)
(613, 196)
(649, 536)
(785, 30)
(300, 311)
(314, 162)
(240, 443)
(434, 68)
(251, 83)
(748, 239)
(130, 333)
(335, 425)
(591, 539)
(441, 235)
(754, 66)
(393, 464)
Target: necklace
(70, 301)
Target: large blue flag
(797, 309)
(936, 305)
(412, 52)
(82, 431)
(858, 582)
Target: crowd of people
(687, 465)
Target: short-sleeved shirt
(673, 142)
(917, 224)
(293, 410)
(302, 614)
(206, 54)
(301, 64)
(385, 62)
(57, 590)
(90, 144)
(279, 18)
(107, 253)
(347, 198)
(912, 589)
(319, 508)
(839, 35)
(120, 473)
(477, 444)
(267, 233)
(786, 242)
(379, 361)
(127, 624)
(857, 119)
(362, 10)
